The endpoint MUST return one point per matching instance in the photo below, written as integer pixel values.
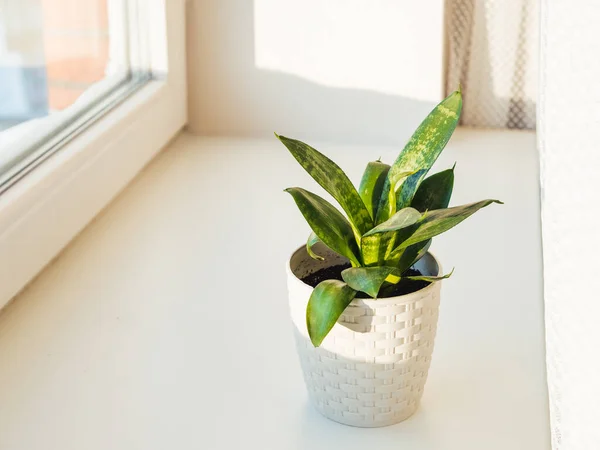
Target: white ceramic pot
(371, 368)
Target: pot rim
(372, 301)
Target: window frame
(43, 211)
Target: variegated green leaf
(327, 223)
(401, 219)
(405, 258)
(371, 185)
(422, 150)
(387, 209)
(377, 243)
(423, 248)
(327, 302)
(310, 242)
(370, 279)
(434, 192)
(333, 179)
(367, 279)
(441, 220)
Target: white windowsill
(165, 323)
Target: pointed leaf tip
(333, 179)
(430, 279)
(439, 221)
(435, 191)
(420, 153)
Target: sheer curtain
(493, 53)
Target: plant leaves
(333, 179)
(327, 302)
(429, 278)
(370, 279)
(327, 223)
(367, 279)
(371, 185)
(312, 240)
(402, 219)
(405, 258)
(423, 248)
(434, 192)
(441, 220)
(377, 243)
(422, 150)
(389, 207)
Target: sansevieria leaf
(434, 192)
(429, 278)
(310, 242)
(370, 279)
(422, 150)
(377, 243)
(401, 219)
(387, 209)
(423, 248)
(404, 258)
(333, 179)
(441, 220)
(371, 185)
(327, 223)
(327, 302)
(367, 279)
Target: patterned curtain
(493, 53)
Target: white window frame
(42, 213)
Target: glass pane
(57, 59)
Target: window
(63, 63)
(121, 120)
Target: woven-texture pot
(371, 368)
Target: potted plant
(364, 291)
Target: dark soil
(335, 273)
(329, 273)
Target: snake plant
(389, 221)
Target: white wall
(569, 119)
(345, 70)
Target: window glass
(59, 59)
